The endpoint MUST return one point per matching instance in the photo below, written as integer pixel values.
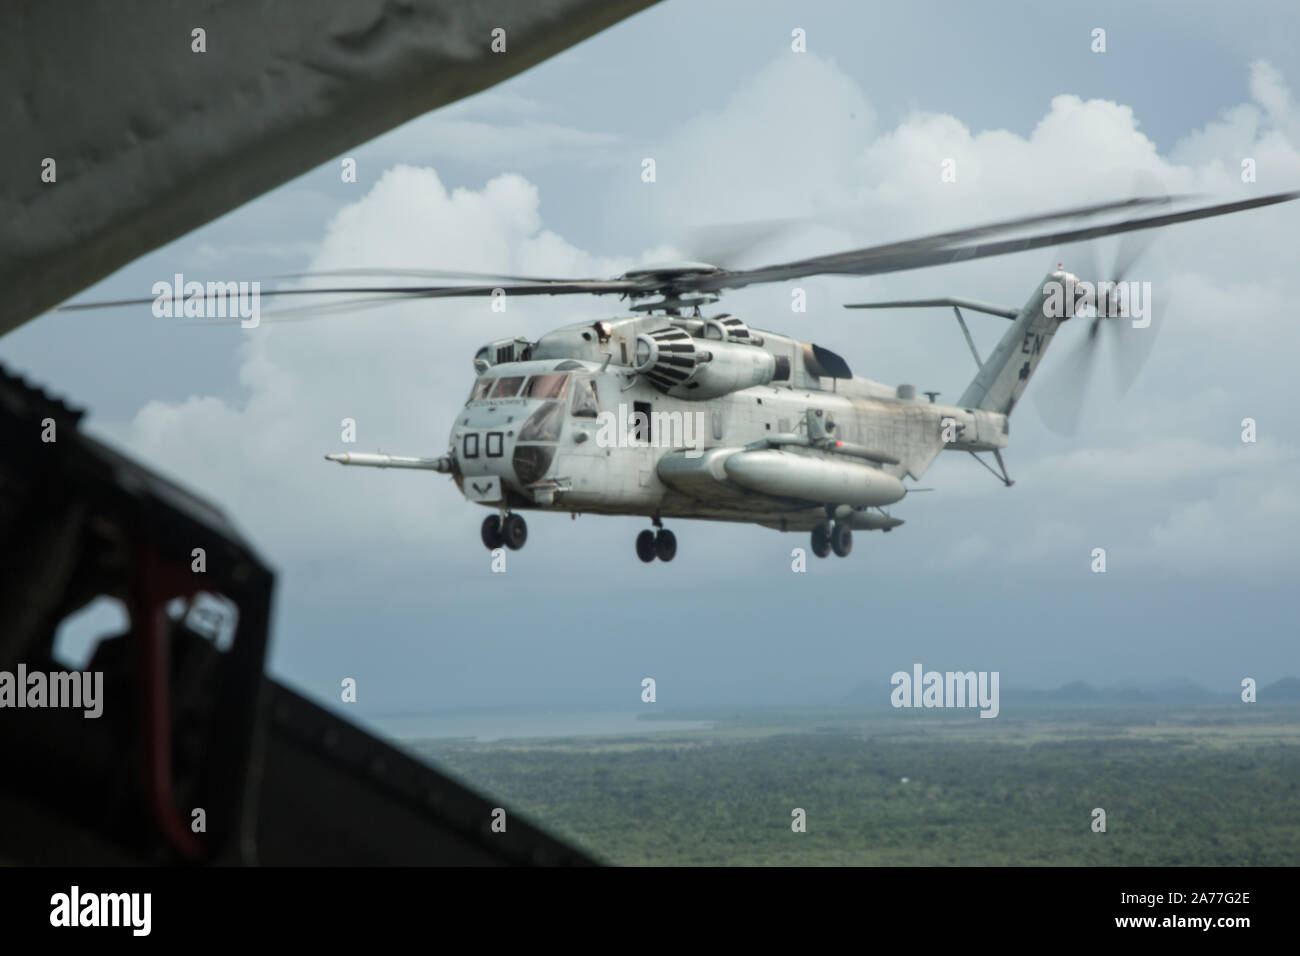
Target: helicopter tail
(1002, 379)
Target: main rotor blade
(545, 287)
(878, 260)
(542, 286)
(417, 274)
(942, 239)
(893, 257)
(301, 313)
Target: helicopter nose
(485, 449)
(513, 443)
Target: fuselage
(575, 427)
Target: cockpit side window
(508, 386)
(584, 404)
(546, 386)
(481, 387)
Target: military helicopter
(670, 414)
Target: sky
(381, 575)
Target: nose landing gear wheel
(491, 532)
(842, 539)
(645, 546)
(821, 540)
(514, 531)
(665, 545)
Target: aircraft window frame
(592, 410)
(552, 393)
(482, 386)
(501, 383)
(500, 443)
(465, 445)
(544, 424)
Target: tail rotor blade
(1133, 345)
(1132, 247)
(1060, 399)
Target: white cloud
(1267, 131)
(783, 146)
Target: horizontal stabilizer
(923, 303)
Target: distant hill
(1081, 692)
(869, 694)
(1288, 688)
(1184, 691)
(1076, 691)
(875, 694)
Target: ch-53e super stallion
(668, 413)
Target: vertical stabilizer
(1001, 381)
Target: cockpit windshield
(480, 390)
(546, 386)
(508, 386)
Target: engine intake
(666, 357)
(676, 365)
(729, 328)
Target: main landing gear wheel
(665, 545)
(645, 546)
(514, 531)
(510, 532)
(821, 540)
(842, 539)
(491, 532)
